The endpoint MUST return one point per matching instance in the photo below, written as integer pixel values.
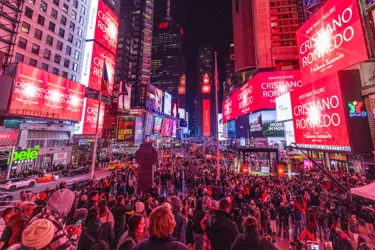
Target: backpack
(96, 244)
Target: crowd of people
(187, 208)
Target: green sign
(27, 155)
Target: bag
(96, 243)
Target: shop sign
(27, 155)
(356, 109)
(338, 157)
(60, 158)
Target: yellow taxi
(115, 165)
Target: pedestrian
(105, 215)
(136, 227)
(198, 215)
(354, 228)
(179, 231)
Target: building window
(78, 43)
(41, 20)
(22, 43)
(82, 10)
(18, 58)
(72, 26)
(81, 20)
(29, 12)
(76, 54)
(38, 34)
(61, 32)
(66, 63)
(47, 54)
(63, 20)
(57, 58)
(56, 2)
(55, 71)
(73, 14)
(73, 78)
(45, 66)
(35, 49)
(43, 6)
(49, 40)
(68, 50)
(32, 62)
(59, 45)
(65, 8)
(80, 31)
(75, 67)
(25, 28)
(54, 13)
(75, 4)
(70, 38)
(51, 26)
(65, 74)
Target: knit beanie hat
(139, 207)
(38, 234)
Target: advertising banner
(270, 127)
(149, 121)
(91, 117)
(167, 103)
(174, 128)
(289, 133)
(41, 94)
(206, 118)
(124, 96)
(232, 129)
(284, 108)
(125, 127)
(319, 117)
(167, 127)
(103, 26)
(255, 121)
(331, 40)
(181, 113)
(8, 137)
(138, 131)
(154, 99)
(60, 158)
(95, 59)
(220, 127)
(157, 125)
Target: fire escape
(10, 14)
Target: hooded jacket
(18, 223)
(252, 240)
(221, 230)
(89, 234)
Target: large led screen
(270, 127)
(167, 103)
(167, 127)
(206, 118)
(149, 123)
(125, 127)
(154, 98)
(174, 128)
(103, 26)
(331, 40)
(138, 131)
(124, 96)
(91, 117)
(42, 94)
(157, 125)
(96, 58)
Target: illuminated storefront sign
(331, 40)
(27, 155)
(206, 118)
(356, 109)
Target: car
(5, 197)
(115, 165)
(72, 171)
(14, 183)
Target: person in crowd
(80, 214)
(93, 200)
(7, 233)
(198, 215)
(134, 234)
(162, 225)
(179, 231)
(38, 235)
(119, 215)
(105, 215)
(344, 242)
(354, 228)
(321, 222)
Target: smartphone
(313, 246)
(78, 223)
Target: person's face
(141, 226)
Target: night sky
(205, 22)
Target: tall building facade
(168, 63)
(133, 63)
(229, 72)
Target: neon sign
(356, 109)
(163, 25)
(28, 155)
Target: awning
(8, 137)
(367, 191)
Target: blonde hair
(162, 222)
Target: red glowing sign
(331, 40)
(42, 94)
(260, 92)
(95, 58)
(206, 79)
(206, 118)
(183, 80)
(181, 90)
(91, 117)
(206, 89)
(163, 25)
(106, 26)
(181, 31)
(319, 116)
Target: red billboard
(260, 92)
(331, 40)
(8, 137)
(91, 117)
(95, 59)
(103, 26)
(42, 94)
(319, 117)
(206, 118)
(167, 127)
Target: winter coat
(354, 226)
(165, 243)
(18, 223)
(89, 234)
(179, 231)
(198, 216)
(107, 217)
(221, 230)
(119, 216)
(252, 241)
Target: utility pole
(216, 80)
(96, 139)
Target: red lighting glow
(206, 118)
(206, 89)
(206, 79)
(163, 25)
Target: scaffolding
(10, 14)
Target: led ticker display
(42, 94)
(331, 40)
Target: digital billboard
(125, 127)
(96, 58)
(220, 126)
(149, 123)
(270, 127)
(206, 118)
(319, 117)
(91, 117)
(157, 125)
(167, 127)
(167, 103)
(154, 98)
(42, 94)
(255, 121)
(138, 131)
(331, 40)
(181, 113)
(174, 128)
(284, 108)
(103, 26)
(260, 92)
(289, 133)
(124, 96)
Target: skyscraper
(168, 63)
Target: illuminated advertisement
(232, 129)
(149, 120)
(174, 128)
(8, 137)
(255, 121)
(167, 103)
(270, 127)
(91, 117)
(261, 92)
(42, 94)
(157, 125)
(138, 131)
(181, 113)
(103, 26)
(206, 118)
(220, 126)
(154, 98)
(319, 117)
(284, 108)
(124, 96)
(96, 58)
(331, 40)
(125, 127)
(167, 127)
(289, 133)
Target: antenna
(168, 9)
